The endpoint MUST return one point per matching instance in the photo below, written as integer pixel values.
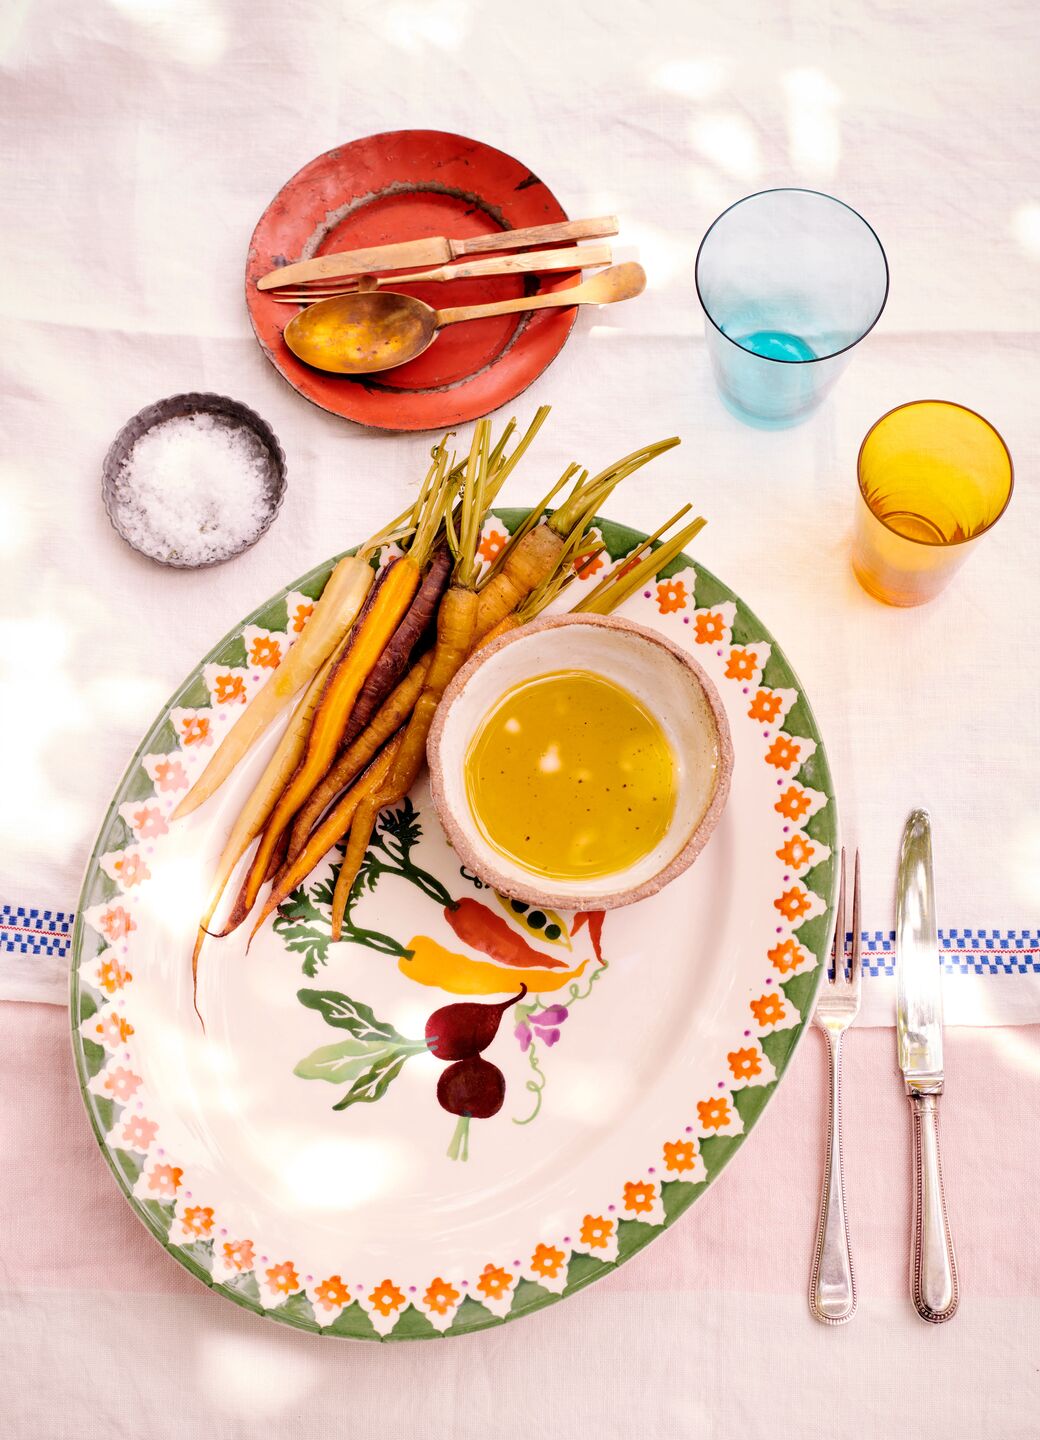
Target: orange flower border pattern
(691, 606)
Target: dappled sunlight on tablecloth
(698, 79)
(15, 526)
(729, 141)
(813, 132)
(1025, 225)
(413, 24)
(192, 31)
(36, 816)
(254, 1372)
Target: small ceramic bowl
(670, 684)
(173, 407)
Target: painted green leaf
(376, 1080)
(340, 1064)
(352, 1321)
(304, 930)
(339, 1010)
(471, 1315)
(413, 1325)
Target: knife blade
(919, 1013)
(919, 1028)
(433, 250)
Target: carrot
(625, 579)
(391, 715)
(390, 665)
(261, 802)
(456, 623)
(333, 615)
(380, 616)
(376, 624)
(533, 554)
(332, 829)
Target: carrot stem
(624, 585)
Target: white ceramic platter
(295, 1157)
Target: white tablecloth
(139, 142)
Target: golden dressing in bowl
(571, 776)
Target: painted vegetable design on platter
(495, 958)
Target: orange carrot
(391, 715)
(533, 554)
(331, 829)
(456, 622)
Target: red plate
(404, 185)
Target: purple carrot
(391, 664)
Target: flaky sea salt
(193, 489)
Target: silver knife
(919, 1027)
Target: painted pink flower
(149, 822)
(170, 775)
(121, 1084)
(116, 922)
(139, 1132)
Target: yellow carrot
(374, 628)
(333, 615)
(261, 802)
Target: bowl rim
(172, 407)
(575, 898)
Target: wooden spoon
(375, 330)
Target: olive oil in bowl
(571, 776)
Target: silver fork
(832, 1288)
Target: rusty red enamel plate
(403, 185)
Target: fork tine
(307, 297)
(856, 963)
(838, 943)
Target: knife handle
(933, 1266)
(536, 235)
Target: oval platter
(294, 1156)
(405, 185)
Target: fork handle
(832, 1287)
(933, 1265)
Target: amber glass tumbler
(933, 478)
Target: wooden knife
(433, 250)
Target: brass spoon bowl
(375, 330)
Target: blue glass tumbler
(790, 282)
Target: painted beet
(472, 1088)
(462, 1031)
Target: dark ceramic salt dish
(237, 416)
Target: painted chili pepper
(431, 964)
(481, 928)
(594, 918)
